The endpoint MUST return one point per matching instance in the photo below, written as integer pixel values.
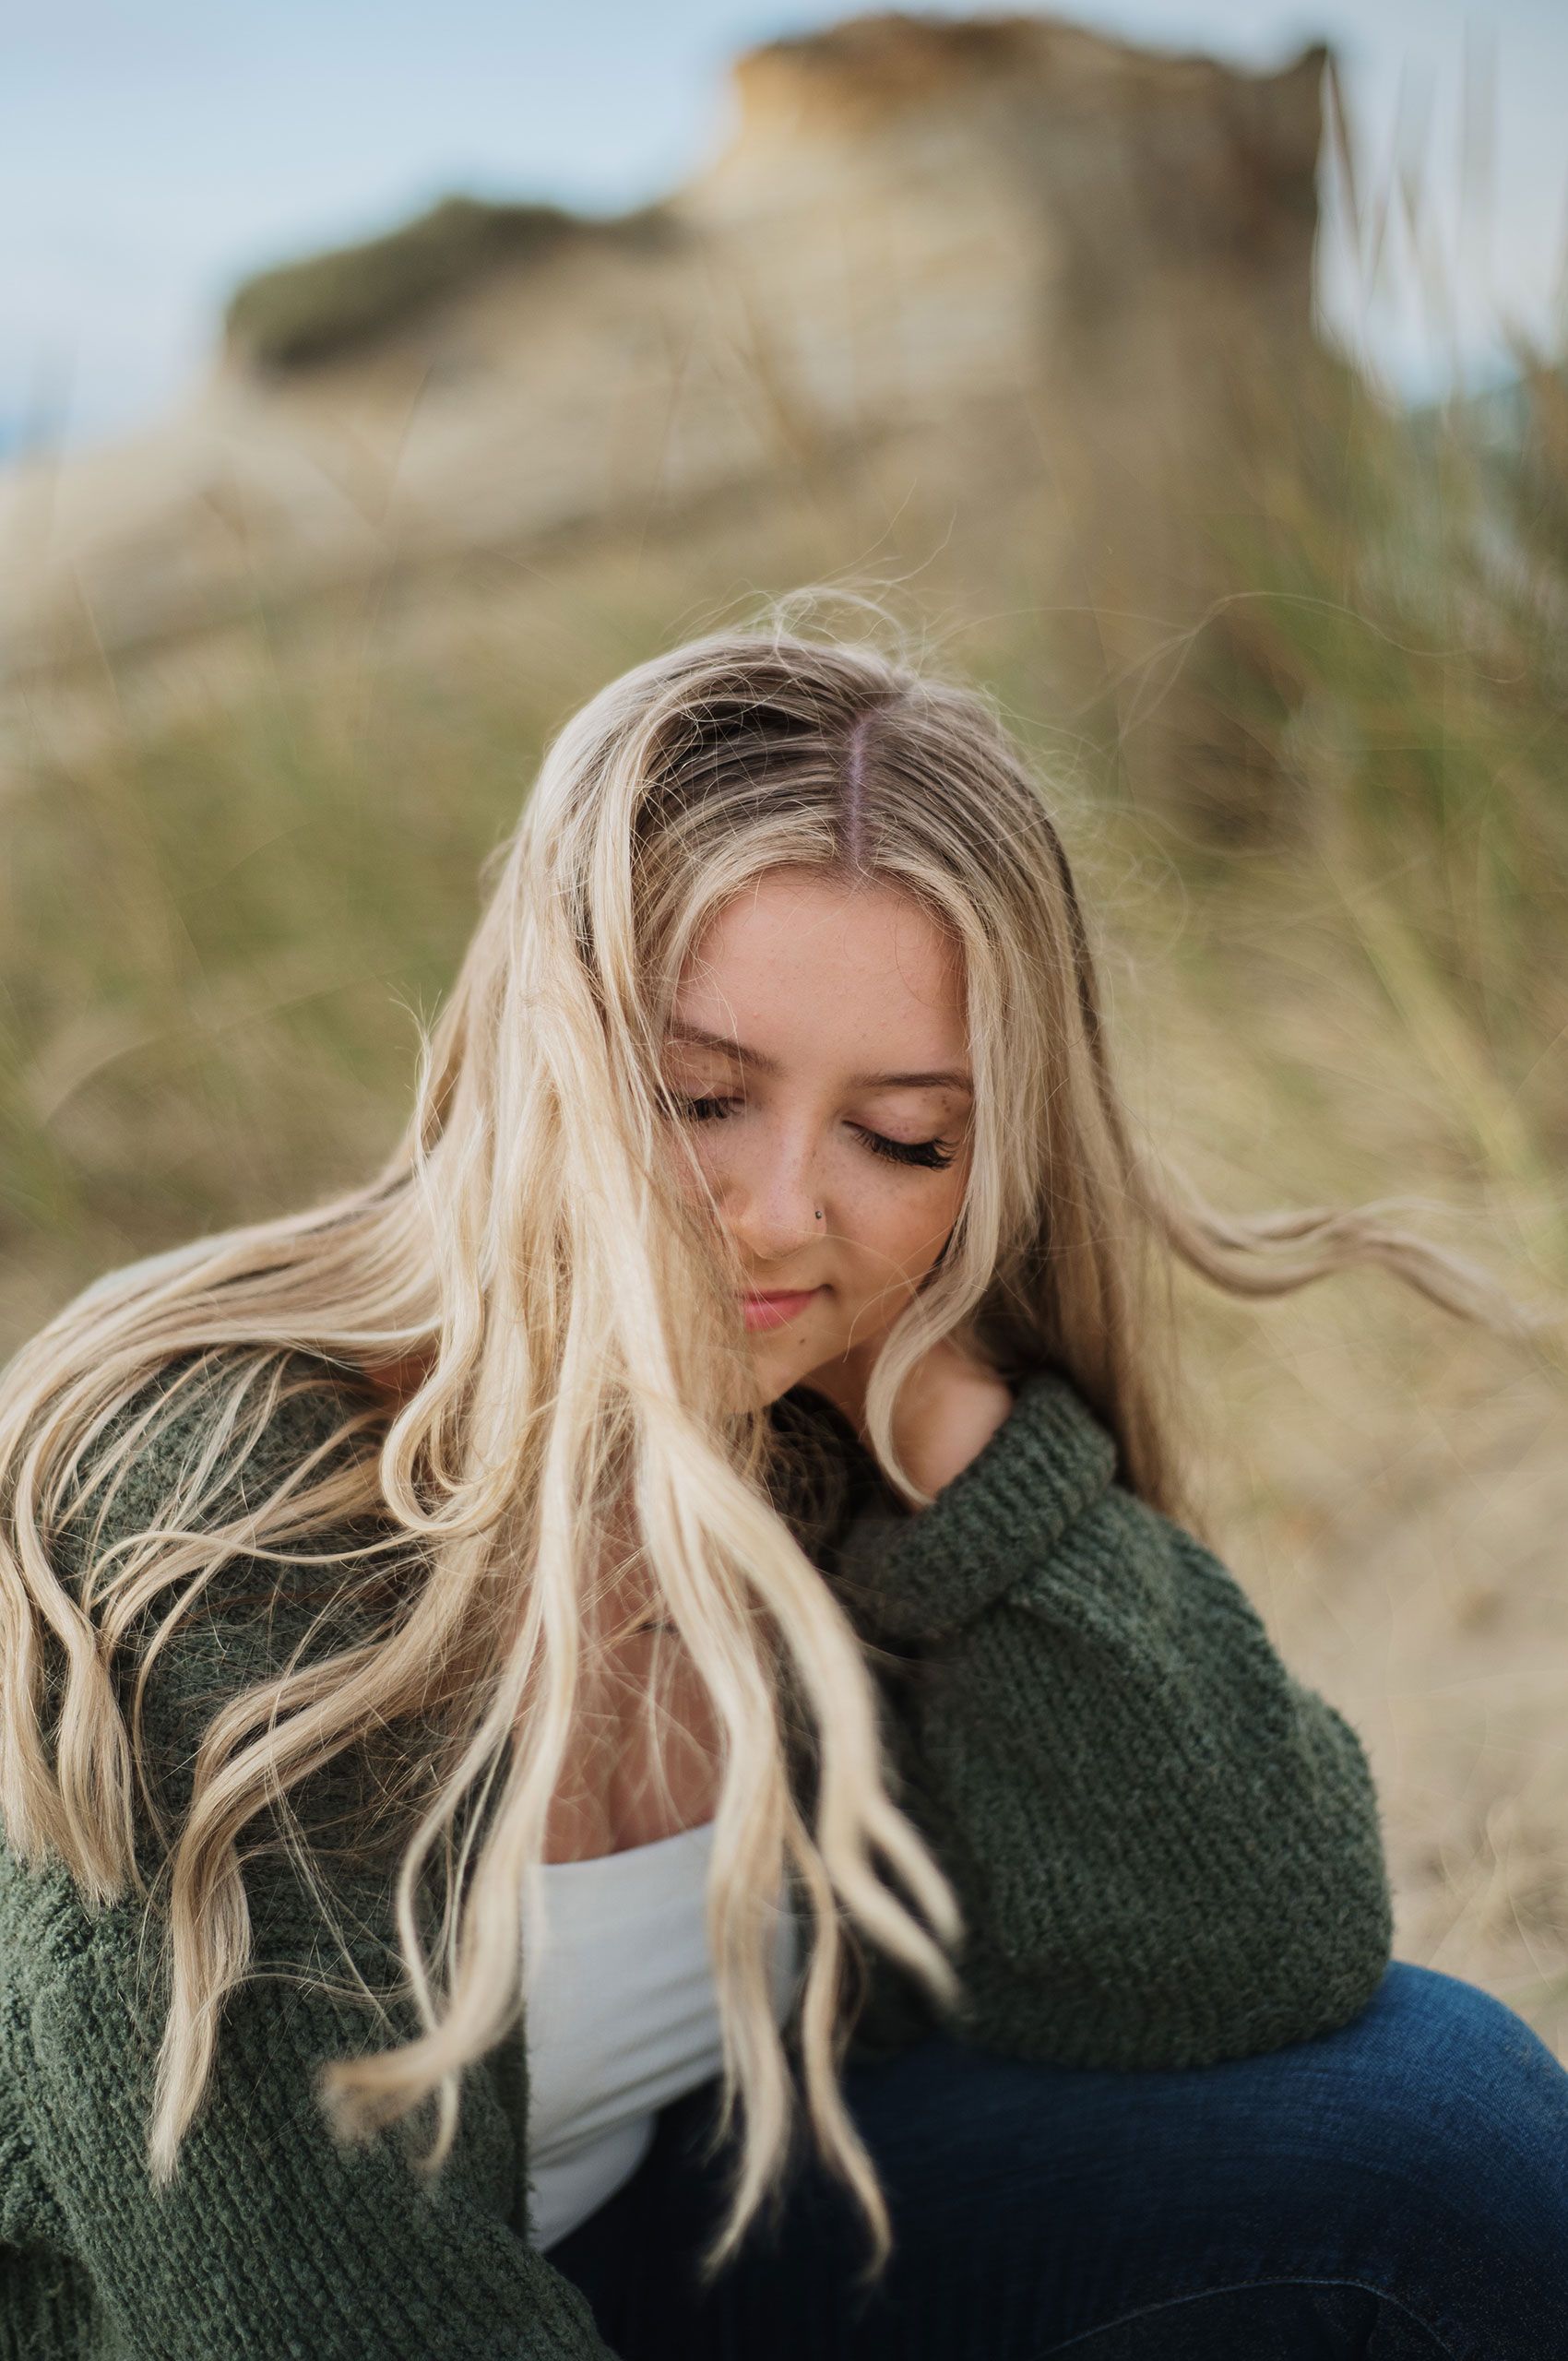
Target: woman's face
(817, 1048)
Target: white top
(622, 2016)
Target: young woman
(665, 1622)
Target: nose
(769, 1201)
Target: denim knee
(1452, 2107)
(1415, 2158)
(1457, 2086)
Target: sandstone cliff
(1003, 249)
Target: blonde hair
(530, 1260)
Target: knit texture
(1166, 1850)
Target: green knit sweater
(1167, 1851)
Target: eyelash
(927, 1156)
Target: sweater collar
(914, 1576)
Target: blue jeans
(1395, 2189)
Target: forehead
(814, 974)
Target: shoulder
(1007, 1510)
(258, 1405)
(215, 1541)
(208, 1437)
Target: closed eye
(929, 1155)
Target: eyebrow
(943, 1078)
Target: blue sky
(152, 151)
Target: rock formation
(1001, 242)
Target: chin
(776, 1370)
(761, 1385)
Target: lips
(773, 1309)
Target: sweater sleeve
(1166, 1849)
(276, 2237)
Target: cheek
(900, 1235)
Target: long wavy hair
(537, 1266)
